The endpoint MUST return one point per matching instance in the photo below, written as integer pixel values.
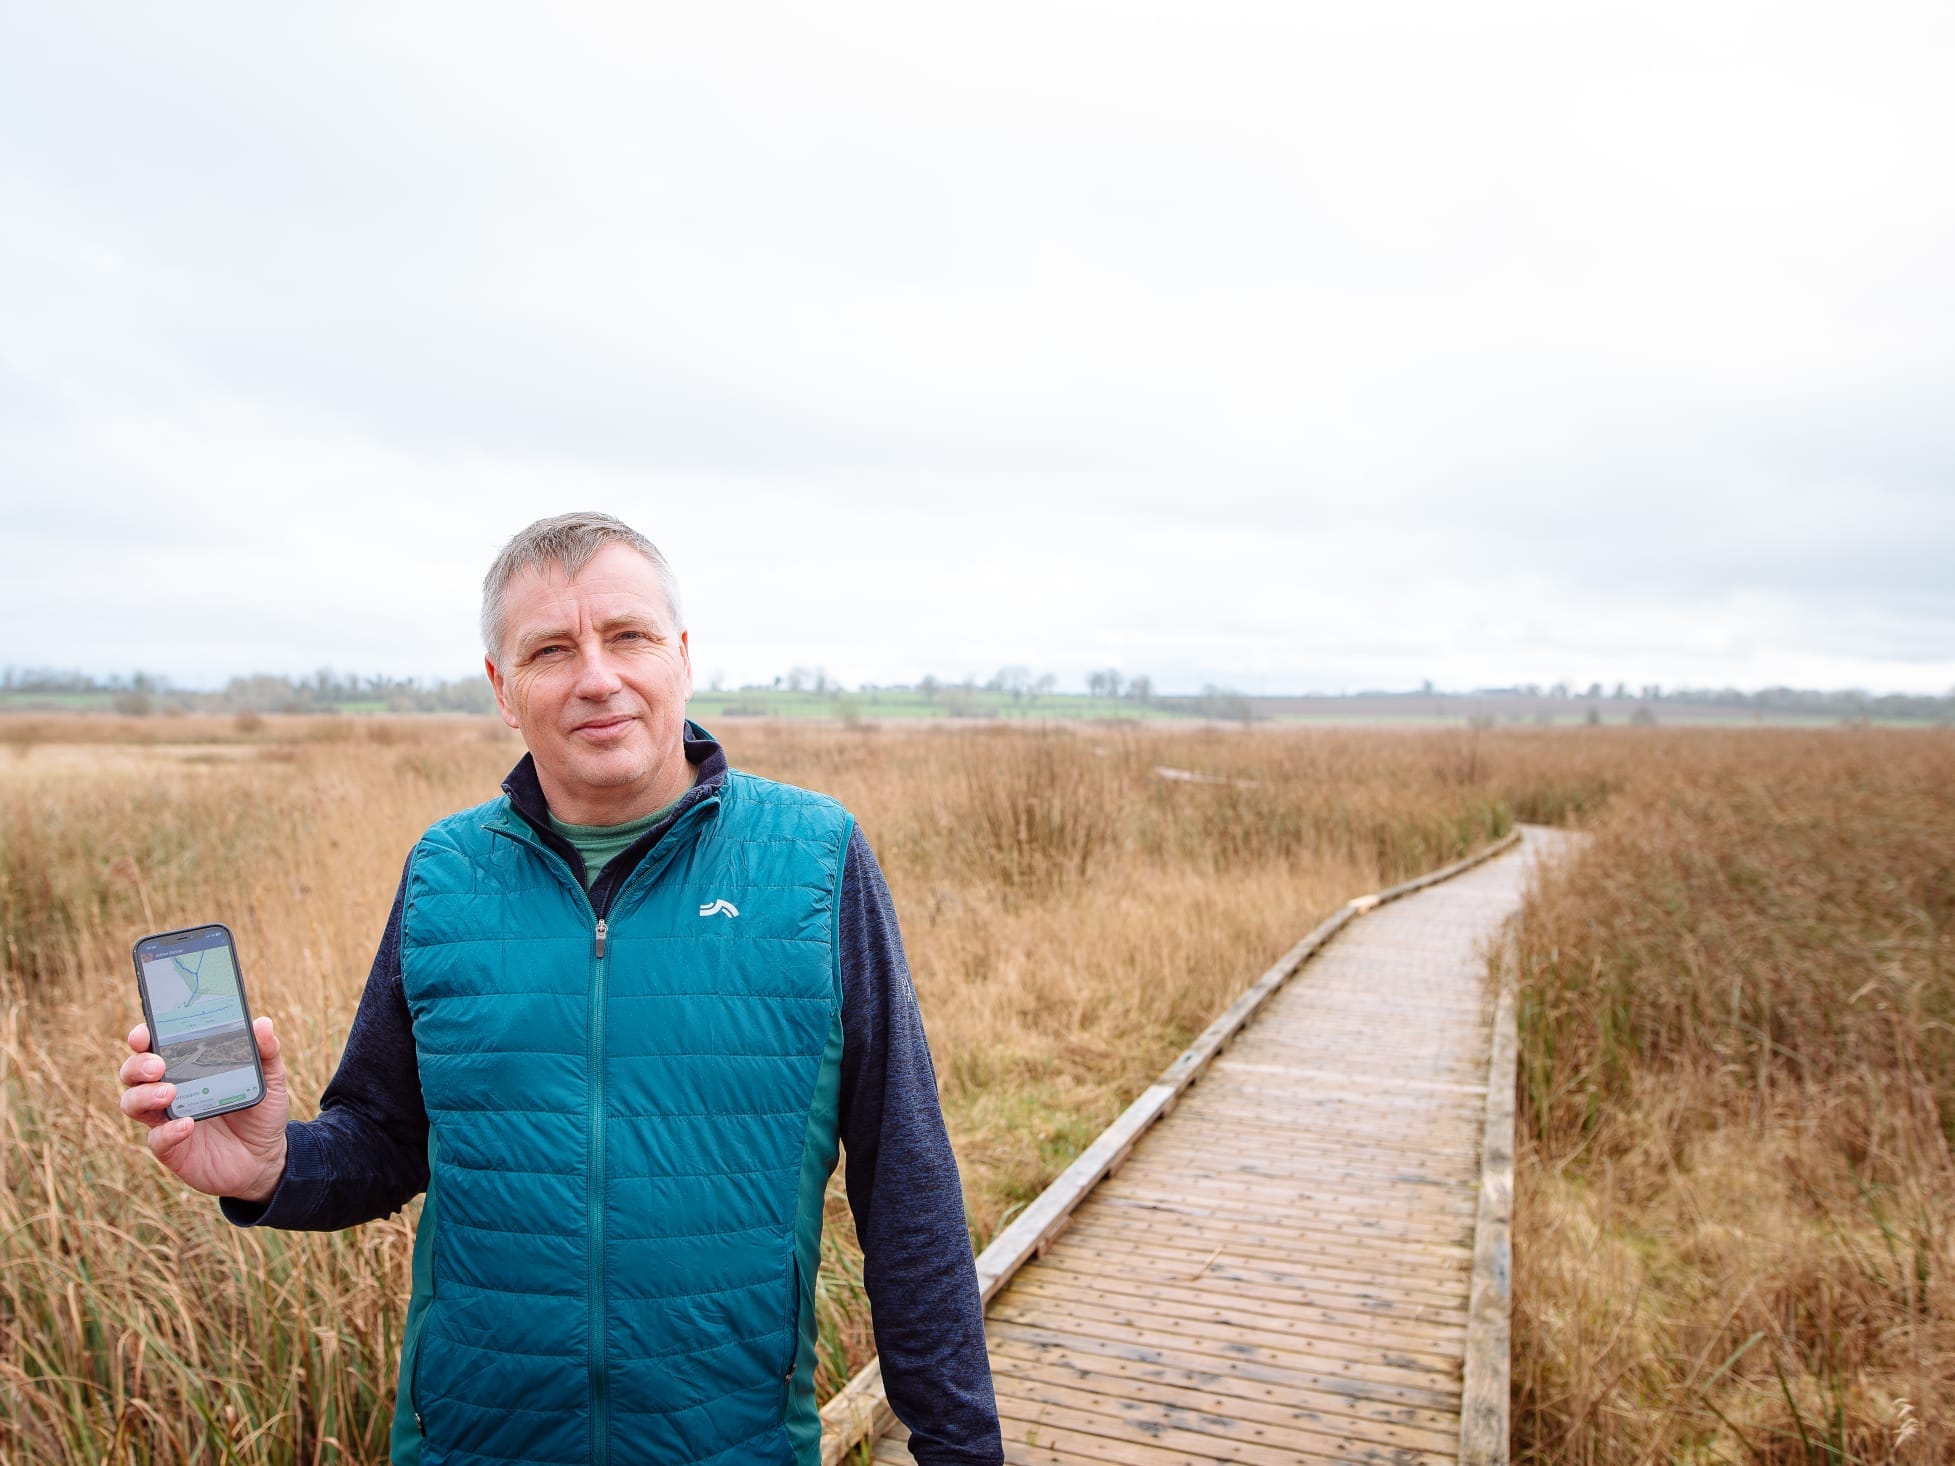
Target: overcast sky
(1287, 346)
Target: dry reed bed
(1072, 919)
(1735, 1228)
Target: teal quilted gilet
(630, 1130)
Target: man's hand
(241, 1154)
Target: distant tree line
(325, 691)
(1810, 702)
(1022, 685)
(1851, 703)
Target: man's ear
(685, 656)
(502, 694)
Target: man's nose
(597, 678)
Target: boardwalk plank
(1380, 1424)
(1241, 1338)
(1295, 1329)
(1124, 1423)
(1360, 1316)
(1142, 1256)
(1289, 1371)
(1278, 1203)
(1188, 1217)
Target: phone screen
(198, 1021)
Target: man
(619, 1020)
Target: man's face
(595, 676)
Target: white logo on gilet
(721, 907)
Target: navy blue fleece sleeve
(904, 1191)
(367, 1153)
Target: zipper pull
(600, 938)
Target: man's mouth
(600, 729)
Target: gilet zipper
(594, 1207)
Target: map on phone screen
(200, 1034)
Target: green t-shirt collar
(599, 845)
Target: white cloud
(1272, 345)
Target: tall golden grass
(1072, 918)
(1735, 1211)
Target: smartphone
(199, 1022)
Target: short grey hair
(572, 541)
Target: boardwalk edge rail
(1484, 1398)
(860, 1411)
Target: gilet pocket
(793, 1349)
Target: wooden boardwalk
(1281, 1270)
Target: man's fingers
(141, 1069)
(267, 1040)
(144, 1096)
(146, 1102)
(166, 1137)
